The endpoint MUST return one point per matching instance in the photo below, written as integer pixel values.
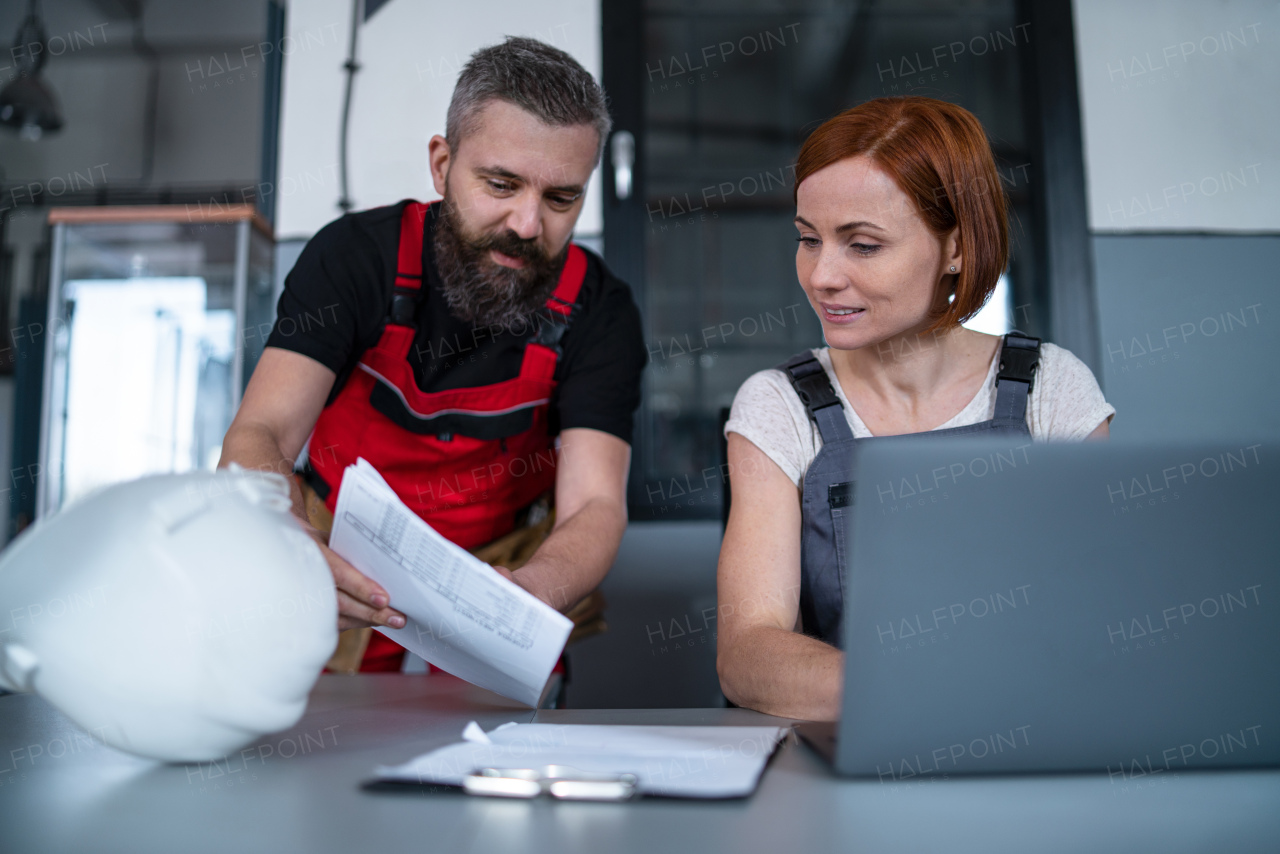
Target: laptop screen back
(1061, 607)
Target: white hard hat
(178, 617)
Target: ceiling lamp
(27, 105)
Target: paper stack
(462, 616)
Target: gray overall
(828, 482)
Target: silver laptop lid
(1108, 607)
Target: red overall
(469, 489)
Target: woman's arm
(762, 661)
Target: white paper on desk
(460, 615)
(672, 761)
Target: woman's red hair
(939, 155)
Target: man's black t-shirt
(335, 304)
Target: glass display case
(157, 317)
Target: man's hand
(361, 600)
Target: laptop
(1110, 607)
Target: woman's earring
(953, 268)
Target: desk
(299, 791)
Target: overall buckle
(1017, 363)
(403, 308)
(552, 327)
(812, 386)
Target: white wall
(1180, 101)
(1181, 107)
(410, 54)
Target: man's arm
(280, 407)
(763, 662)
(591, 515)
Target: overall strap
(408, 286)
(819, 398)
(1015, 377)
(562, 306)
(565, 297)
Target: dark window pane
(731, 90)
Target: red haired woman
(902, 236)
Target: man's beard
(482, 292)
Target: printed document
(461, 615)
(671, 761)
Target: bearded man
(486, 366)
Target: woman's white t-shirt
(1066, 404)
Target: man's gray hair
(534, 76)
